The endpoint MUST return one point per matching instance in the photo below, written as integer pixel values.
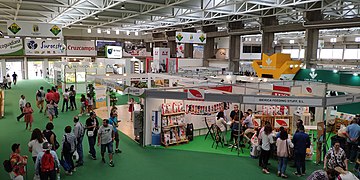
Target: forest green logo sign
(202, 38)
(55, 30)
(14, 28)
(179, 37)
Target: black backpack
(190, 131)
(66, 146)
(38, 94)
(7, 166)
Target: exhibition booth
(169, 103)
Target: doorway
(35, 69)
(14, 66)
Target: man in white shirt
(22, 103)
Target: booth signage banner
(41, 47)
(80, 48)
(191, 38)
(113, 52)
(288, 101)
(100, 96)
(330, 101)
(155, 128)
(257, 122)
(282, 123)
(196, 94)
(33, 29)
(11, 47)
(134, 91)
(101, 44)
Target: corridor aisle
(135, 163)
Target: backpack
(66, 146)
(38, 94)
(7, 166)
(47, 162)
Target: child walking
(28, 115)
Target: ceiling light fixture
(107, 31)
(98, 30)
(80, 23)
(117, 32)
(128, 33)
(123, 7)
(136, 33)
(335, 71)
(96, 17)
(89, 30)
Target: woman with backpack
(47, 163)
(283, 144)
(36, 142)
(68, 148)
(50, 136)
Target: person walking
(22, 103)
(56, 100)
(90, 101)
(301, 141)
(72, 95)
(36, 143)
(79, 131)
(5, 83)
(68, 148)
(51, 136)
(8, 79)
(66, 100)
(27, 110)
(266, 140)
(92, 126)
(352, 143)
(40, 98)
(105, 139)
(113, 120)
(84, 103)
(47, 163)
(18, 163)
(48, 97)
(283, 144)
(14, 76)
(51, 110)
(131, 108)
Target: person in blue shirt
(114, 122)
(301, 141)
(353, 133)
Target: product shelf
(172, 114)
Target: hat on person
(15, 146)
(47, 146)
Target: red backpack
(47, 162)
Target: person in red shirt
(18, 163)
(48, 97)
(56, 99)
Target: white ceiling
(148, 15)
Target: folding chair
(218, 137)
(209, 129)
(237, 135)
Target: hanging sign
(41, 47)
(330, 101)
(80, 48)
(196, 94)
(33, 29)
(281, 123)
(113, 52)
(192, 38)
(134, 91)
(288, 101)
(11, 47)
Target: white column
(25, 68)
(3, 67)
(45, 65)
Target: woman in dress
(36, 142)
(28, 115)
(131, 107)
(51, 110)
(336, 157)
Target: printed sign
(33, 29)
(113, 52)
(257, 122)
(196, 94)
(281, 122)
(41, 47)
(11, 47)
(288, 101)
(101, 44)
(155, 128)
(192, 38)
(80, 48)
(330, 101)
(100, 96)
(134, 91)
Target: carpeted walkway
(135, 162)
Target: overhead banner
(113, 52)
(11, 47)
(287, 101)
(80, 48)
(33, 29)
(191, 38)
(41, 47)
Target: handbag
(90, 133)
(290, 154)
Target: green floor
(135, 162)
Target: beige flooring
(125, 125)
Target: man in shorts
(40, 98)
(114, 122)
(106, 137)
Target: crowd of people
(7, 81)
(243, 129)
(43, 145)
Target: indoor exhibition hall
(179, 89)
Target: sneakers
(296, 174)
(265, 171)
(74, 170)
(111, 164)
(118, 151)
(68, 173)
(93, 158)
(103, 160)
(284, 176)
